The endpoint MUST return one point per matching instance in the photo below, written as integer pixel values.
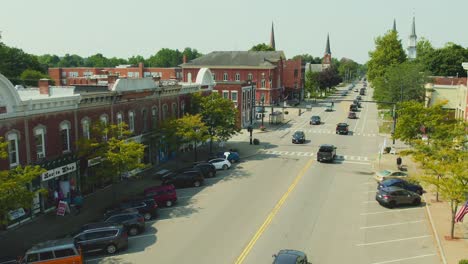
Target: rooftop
(267, 59)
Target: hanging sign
(58, 171)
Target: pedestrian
(78, 202)
(398, 162)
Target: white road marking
(355, 162)
(391, 241)
(403, 259)
(167, 208)
(394, 224)
(391, 211)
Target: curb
(441, 250)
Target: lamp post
(263, 107)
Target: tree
(328, 78)
(165, 58)
(14, 192)
(97, 60)
(71, 61)
(425, 52)
(307, 58)
(191, 53)
(14, 61)
(49, 60)
(134, 60)
(262, 47)
(346, 68)
(388, 51)
(31, 77)
(191, 128)
(114, 61)
(447, 61)
(311, 84)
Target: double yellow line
(272, 214)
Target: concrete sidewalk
(438, 213)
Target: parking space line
(391, 211)
(355, 162)
(391, 241)
(403, 259)
(172, 207)
(394, 224)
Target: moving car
(356, 102)
(163, 195)
(192, 178)
(326, 152)
(362, 91)
(353, 108)
(220, 163)
(342, 129)
(358, 97)
(395, 182)
(105, 237)
(288, 256)
(393, 196)
(329, 109)
(130, 219)
(388, 174)
(298, 137)
(54, 251)
(147, 207)
(315, 120)
(352, 115)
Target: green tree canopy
(347, 68)
(448, 60)
(165, 58)
(311, 84)
(307, 58)
(262, 47)
(31, 77)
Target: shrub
(286, 112)
(463, 261)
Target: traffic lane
(318, 217)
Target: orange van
(62, 251)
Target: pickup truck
(326, 152)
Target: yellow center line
(272, 214)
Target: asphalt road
(282, 198)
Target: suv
(288, 256)
(163, 195)
(342, 128)
(357, 102)
(352, 115)
(402, 184)
(132, 221)
(393, 196)
(205, 168)
(315, 120)
(102, 237)
(147, 207)
(185, 179)
(326, 152)
(353, 108)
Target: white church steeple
(412, 42)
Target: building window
(87, 74)
(39, 140)
(104, 123)
(234, 96)
(214, 76)
(237, 77)
(182, 108)
(296, 72)
(13, 154)
(65, 136)
(145, 120)
(85, 124)
(131, 121)
(73, 74)
(174, 110)
(154, 117)
(263, 83)
(119, 119)
(165, 110)
(250, 76)
(225, 76)
(226, 94)
(189, 77)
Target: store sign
(58, 171)
(16, 213)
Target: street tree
(49, 60)
(388, 51)
(448, 60)
(425, 52)
(191, 128)
(307, 58)
(347, 68)
(262, 47)
(165, 58)
(311, 84)
(97, 60)
(328, 78)
(14, 192)
(71, 61)
(31, 77)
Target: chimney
(44, 86)
(184, 59)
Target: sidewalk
(438, 213)
(14, 242)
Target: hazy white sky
(142, 27)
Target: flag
(463, 211)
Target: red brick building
(294, 79)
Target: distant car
(293, 102)
(288, 256)
(389, 174)
(131, 220)
(393, 196)
(329, 109)
(164, 195)
(105, 237)
(326, 152)
(358, 97)
(356, 90)
(357, 103)
(298, 137)
(315, 120)
(352, 115)
(192, 178)
(344, 93)
(402, 184)
(259, 109)
(220, 163)
(147, 207)
(342, 129)
(353, 108)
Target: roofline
(226, 67)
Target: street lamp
(263, 107)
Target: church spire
(413, 29)
(272, 37)
(326, 61)
(327, 48)
(412, 41)
(394, 25)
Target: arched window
(250, 76)
(165, 110)
(225, 76)
(119, 119)
(189, 77)
(85, 123)
(104, 123)
(131, 121)
(237, 77)
(154, 117)
(65, 135)
(182, 108)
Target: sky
(142, 27)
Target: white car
(220, 163)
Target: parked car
(147, 207)
(220, 163)
(288, 256)
(326, 152)
(362, 91)
(259, 109)
(130, 219)
(342, 129)
(393, 196)
(395, 182)
(233, 157)
(159, 175)
(105, 237)
(329, 108)
(207, 169)
(358, 103)
(163, 195)
(315, 120)
(193, 178)
(293, 102)
(358, 97)
(53, 251)
(388, 174)
(353, 108)
(352, 115)
(298, 137)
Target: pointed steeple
(413, 29)
(394, 25)
(272, 37)
(327, 48)
(412, 41)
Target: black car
(326, 152)
(288, 256)
(147, 207)
(315, 120)
(342, 129)
(102, 237)
(356, 102)
(353, 108)
(131, 220)
(193, 178)
(393, 196)
(358, 97)
(208, 170)
(298, 137)
(402, 184)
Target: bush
(463, 261)
(256, 141)
(387, 149)
(286, 112)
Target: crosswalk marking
(324, 131)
